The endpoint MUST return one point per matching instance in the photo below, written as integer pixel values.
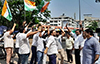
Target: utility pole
(79, 11)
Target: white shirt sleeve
(49, 43)
(11, 35)
(17, 43)
(29, 31)
(73, 34)
(7, 34)
(26, 28)
(1, 37)
(72, 40)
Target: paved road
(15, 59)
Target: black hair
(9, 28)
(51, 31)
(39, 25)
(78, 30)
(59, 32)
(89, 31)
(68, 33)
(21, 29)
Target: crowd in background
(47, 41)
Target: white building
(88, 20)
(62, 20)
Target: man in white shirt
(51, 48)
(40, 48)
(8, 43)
(34, 48)
(81, 45)
(24, 47)
(77, 35)
(69, 47)
(59, 44)
(17, 47)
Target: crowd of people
(47, 41)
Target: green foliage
(93, 25)
(19, 14)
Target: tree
(19, 14)
(93, 25)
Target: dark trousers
(52, 59)
(77, 56)
(34, 55)
(69, 55)
(19, 60)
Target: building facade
(62, 20)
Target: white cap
(4, 30)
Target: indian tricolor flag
(45, 6)
(29, 5)
(6, 11)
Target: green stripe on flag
(28, 9)
(9, 17)
(40, 6)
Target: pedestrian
(34, 48)
(81, 45)
(51, 48)
(58, 38)
(17, 47)
(24, 47)
(9, 43)
(77, 36)
(40, 48)
(91, 48)
(69, 47)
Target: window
(51, 24)
(59, 18)
(55, 24)
(51, 21)
(65, 17)
(55, 21)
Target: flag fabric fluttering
(45, 6)
(6, 11)
(29, 5)
(40, 6)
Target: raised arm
(81, 27)
(12, 30)
(25, 29)
(68, 28)
(32, 33)
(48, 30)
(63, 32)
(28, 24)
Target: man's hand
(66, 25)
(24, 23)
(80, 23)
(45, 52)
(30, 22)
(14, 24)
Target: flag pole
(24, 15)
